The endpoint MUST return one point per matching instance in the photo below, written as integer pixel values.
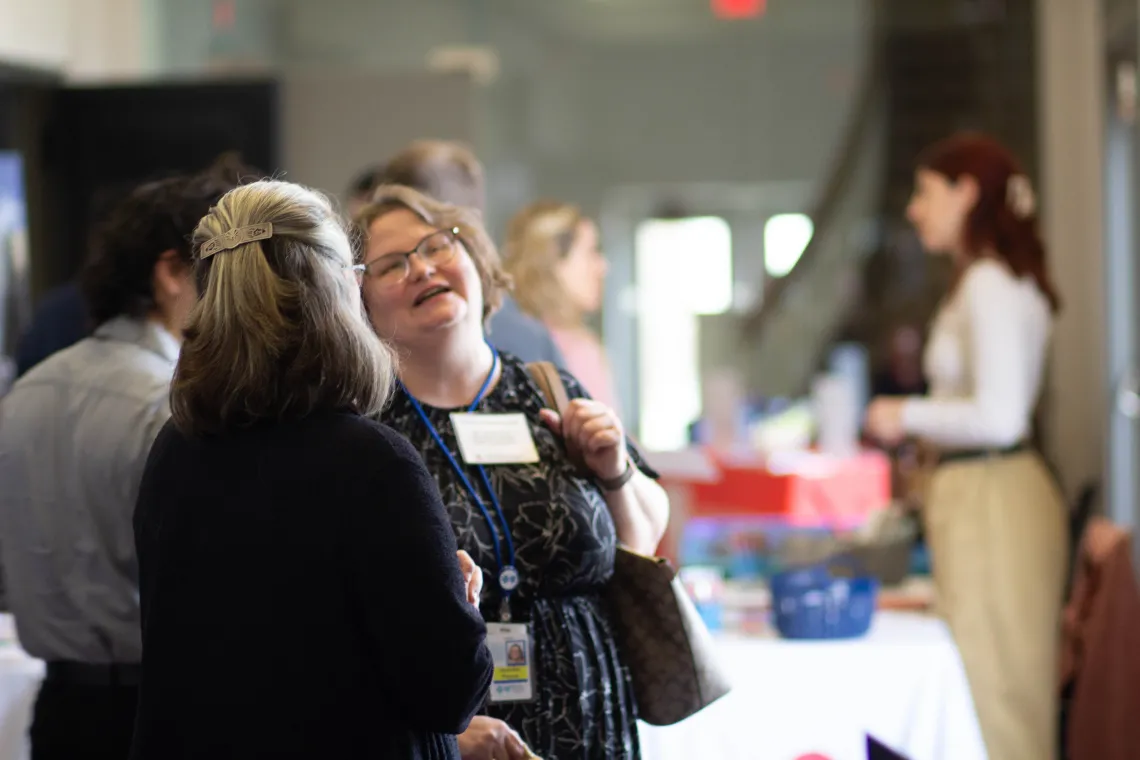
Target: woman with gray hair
(300, 590)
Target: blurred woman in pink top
(559, 276)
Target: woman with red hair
(995, 520)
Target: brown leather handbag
(661, 636)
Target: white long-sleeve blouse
(984, 361)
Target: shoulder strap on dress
(549, 381)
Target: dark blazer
(59, 321)
(301, 598)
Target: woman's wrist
(619, 482)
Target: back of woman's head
(1004, 219)
(540, 236)
(278, 331)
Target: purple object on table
(876, 750)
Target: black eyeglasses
(391, 269)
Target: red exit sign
(738, 9)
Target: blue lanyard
(508, 575)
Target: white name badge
(510, 647)
(494, 438)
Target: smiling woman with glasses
(391, 269)
(543, 528)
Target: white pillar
(34, 33)
(1071, 92)
(88, 41)
(110, 40)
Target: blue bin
(811, 603)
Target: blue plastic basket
(811, 603)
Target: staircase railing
(849, 158)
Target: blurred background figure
(552, 253)
(902, 375)
(450, 172)
(361, 188)
(75, 432)
(442, 169)
(61, 317)
(995, 520)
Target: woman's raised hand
(593, 431)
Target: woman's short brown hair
(278, 331)
(388, 198)
(538, 237)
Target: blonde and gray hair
(277, 332)
(538, 237)
(388, 198)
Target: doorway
(1122, 263)
(685, 261)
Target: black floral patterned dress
(564, 541)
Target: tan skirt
(996, 529)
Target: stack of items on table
(765, 541)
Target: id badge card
(510, 646)
(494, 438)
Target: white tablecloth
(20, 677)
(903, 684)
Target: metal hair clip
(231, 239)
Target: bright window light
(785, 238)
(691, 259)
(684, 269)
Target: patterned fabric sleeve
(575, 390)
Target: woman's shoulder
(520, 373)
(991, 282)
(988, 272)
(371, 438)
(169, 441)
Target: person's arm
(998, 414)
(641, 512)
(430, 642)
(640, 508)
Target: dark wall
(25, 95)
(101, 142)
(977, 74)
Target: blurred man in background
(903, 374)
(361, 188)
(61, 317)
(75, 433)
